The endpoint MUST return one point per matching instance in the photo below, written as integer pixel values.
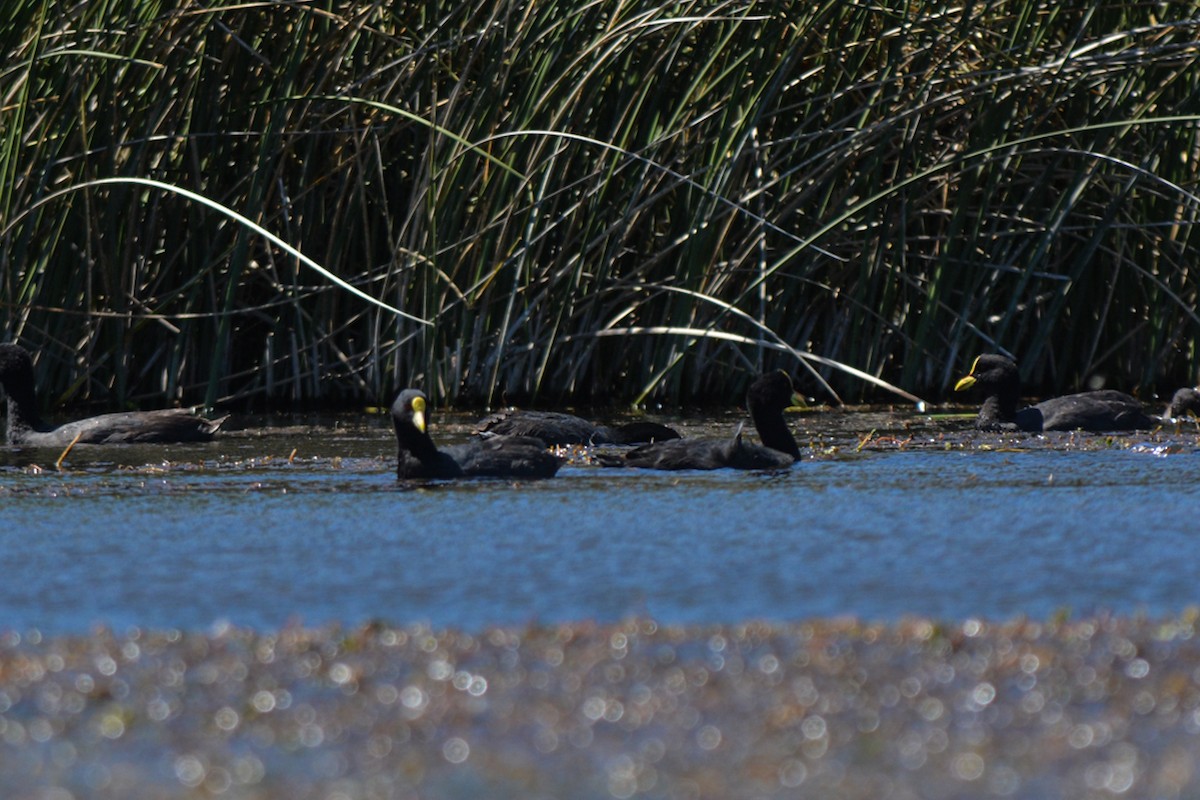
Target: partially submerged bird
(997, 378)
(767, 398)
(1184, 402)
(494, 457)
(556, 428)
(26, 427)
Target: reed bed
(281, 203)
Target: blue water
(881, 536)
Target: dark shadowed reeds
(601, 202)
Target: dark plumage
(555, 428)
(494, 457)
(25, 426)
(997, 378)
(1184, 402)
(767, 398)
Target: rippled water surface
(309, 524)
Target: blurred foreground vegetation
(595, 203)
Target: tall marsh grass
(317, 202)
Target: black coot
(557, 428)
(1184, 402)
(998, 381)
(494, 457)
(767, 398)
(25, 426)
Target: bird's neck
(773, 431)
(418, 444)
(22, 412)
(1000, 407)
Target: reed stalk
(287, 203)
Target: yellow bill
(418, 415)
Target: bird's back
(552, 427)
(1105, 410)
(125, 427)
(503, 457)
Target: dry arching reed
(599, 202)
